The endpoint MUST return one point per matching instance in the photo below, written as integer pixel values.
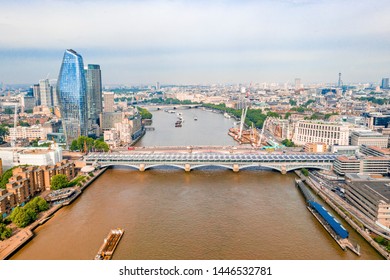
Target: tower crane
(242, 121)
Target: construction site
(251, 136)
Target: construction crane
(262, 129)
(242, 120)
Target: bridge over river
(190, 160)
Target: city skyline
(190, 43)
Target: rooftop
(384, 151)
(365, 133)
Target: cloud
(153, 34)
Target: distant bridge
(189, 161)
(171, 106)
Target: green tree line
(87, 144)
(5, 232)
(255, 116)
(145, 114)
(23, 216)
(60, 181)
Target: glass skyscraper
(94, 93)
(72, 96)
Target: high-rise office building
(339, 83)
(37, 94)
(298, 84)
(46, 93)
(94, 93)
(385, 83)
(72, 96)
(53, 84)
(108, 102)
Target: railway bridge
(234, 161)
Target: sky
(198, 42)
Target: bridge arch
(164, 164)
(119, 164)
(321, 167)
(197, 166)
(260, 165)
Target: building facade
(109, 102)
(369, 138)
(315, 148)
(371, 197)
(27, 132)
(72, 96)
(368, 165)
(320, 132)
(385, 83)
(46, 93)
(124, 131)
(94, 93)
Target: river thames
(204, 214)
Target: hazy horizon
(181, 42)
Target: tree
(37, 204)
(5, 178)
(145, 114)
(4, 232)
(305, 172)
(22, 216)
(3, 132)
(308, 102)
(42, 205)
(298, 109)
(23, 123)
(288, 143)
(273, 114)
(8, 111)
(59, 181)
(287, 115)
(74, 146)
(293, 102)
(101, 146)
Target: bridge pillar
(283, 170)
(236, 168)
(142, 167)
(187, 167)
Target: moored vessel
(109, 244)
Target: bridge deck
(208, 157)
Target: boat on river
(109, 244)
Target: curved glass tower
(72, 96)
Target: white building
(307, 131)
(27, 132)
(40, 157)
(32, 156)
(111, 137)
(125, 131)
(369, 138)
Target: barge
(109, 244)
(330, 223)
